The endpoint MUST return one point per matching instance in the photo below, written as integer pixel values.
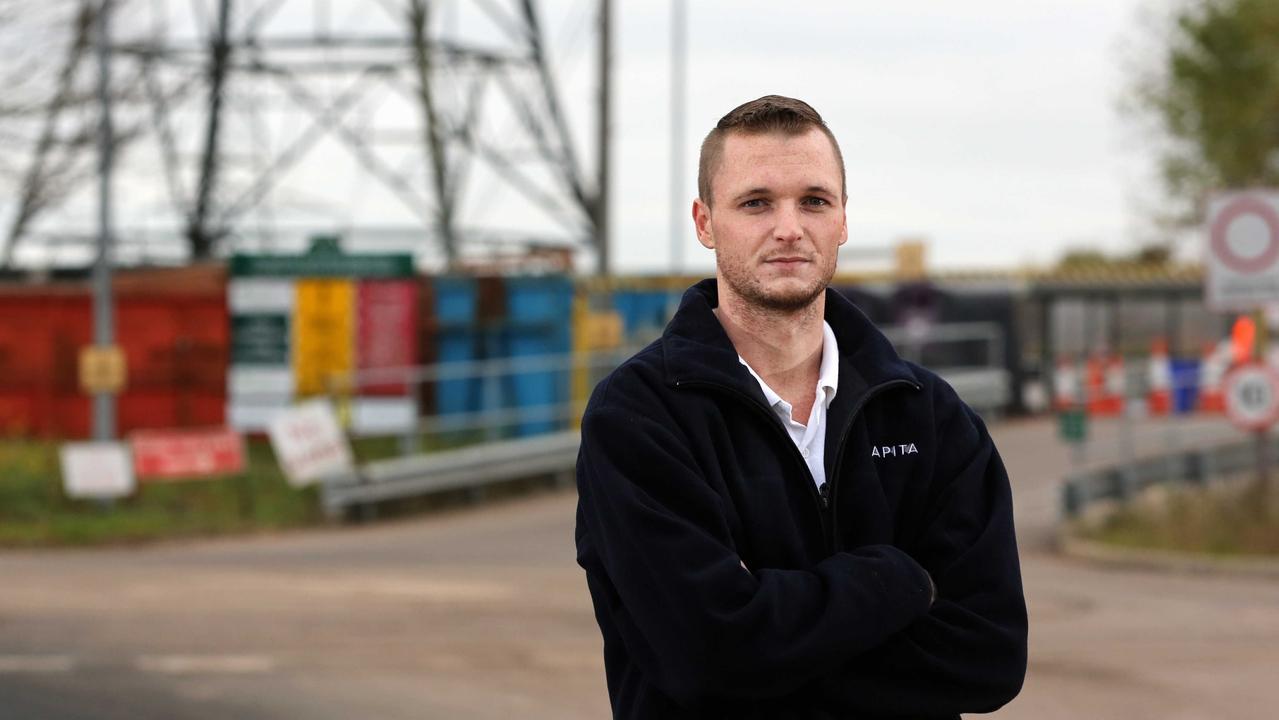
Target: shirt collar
(827, 373)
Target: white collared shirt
(809, 437)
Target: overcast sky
(988, 127)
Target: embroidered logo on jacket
(883, 451)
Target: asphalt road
(481, 613)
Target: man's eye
(815, 201)
(754, 203)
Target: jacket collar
(697, 350)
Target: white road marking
(206, 664)
(36, 663)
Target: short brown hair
(769, 114)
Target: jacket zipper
(839, 450)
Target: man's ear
(702, 221)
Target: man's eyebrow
(819, 189)
(752, 191)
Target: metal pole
(1262, 438)
(103, 317)
(605, 97)
(679, 208)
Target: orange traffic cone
(1159, 377)
(1105, 385)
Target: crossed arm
(860, 631)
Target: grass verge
(1228, 519)
(34, 511)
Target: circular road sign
(1246, 212)
(1252, 396)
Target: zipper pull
(824, 490)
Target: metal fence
(1126, 480)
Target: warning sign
(309, 444)
(1242, 255)
(187, 454)
(1252, 396)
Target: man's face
(776, 220)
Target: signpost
(1242, 258)
(1242, 263)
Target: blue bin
(456, 338)
(1185, 385)
(539, 316)
(644, 312)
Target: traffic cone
(1159, 379)
(1212, 374)
(1242, 338)
(1115, 385)
(1065, 385)
(1095, 385)
(1105, 390)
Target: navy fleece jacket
(726, 585)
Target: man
(779, 517)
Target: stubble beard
(749, 288)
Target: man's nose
(788, 228)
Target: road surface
(481, 613)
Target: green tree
(1214, 93)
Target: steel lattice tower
(455, 109)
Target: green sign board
(324, 259)
(260, 339)
(1072, 425)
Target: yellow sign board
(102, 369)
(323, 333)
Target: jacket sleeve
(654, 538)
(968, 653)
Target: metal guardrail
(465, 468)
(1127, 480)
(501, 460)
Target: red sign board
(386, 322)
(174, 454)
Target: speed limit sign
(1252, 396)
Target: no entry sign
(1242, 256)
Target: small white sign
(97, 470)
(258, 295)
(1252, 396)
(1242, 252)
(309, 444)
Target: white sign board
(97, 470)
(1242, 254)
(309, 444)
(1252, 396)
